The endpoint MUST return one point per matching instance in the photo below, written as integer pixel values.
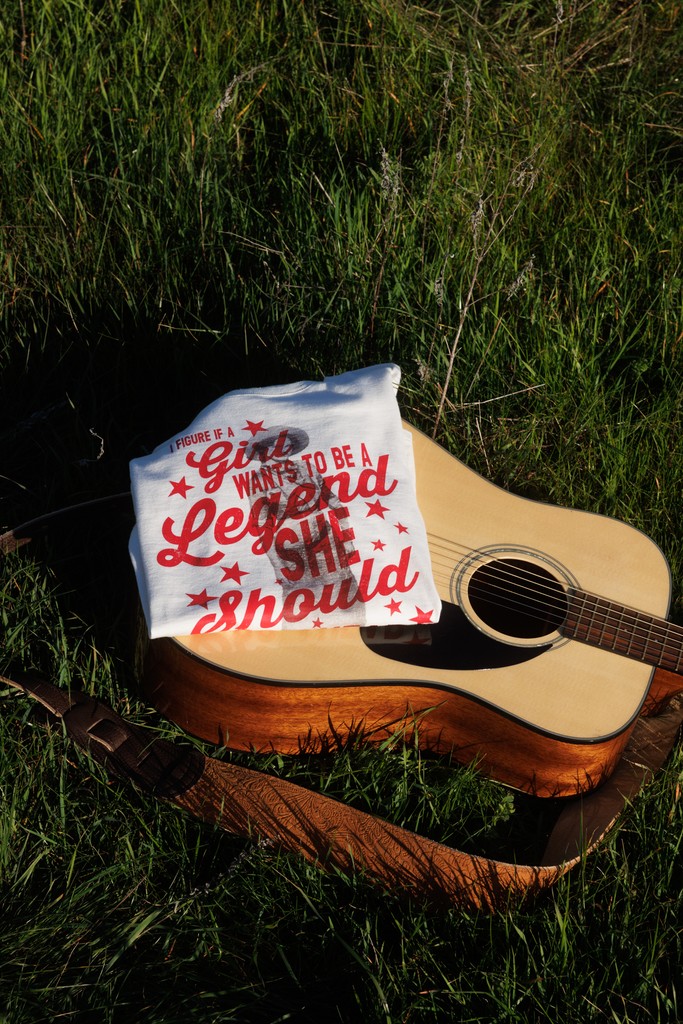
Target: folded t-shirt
(288, 507)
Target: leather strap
(331, 834)
(129, 751)
(335, 836)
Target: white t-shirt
(288, 507)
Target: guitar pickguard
(452, 643)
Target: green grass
(198, 196)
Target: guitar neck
(613, 627)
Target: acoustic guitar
(552, 640)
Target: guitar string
(550, 589)
(617, 616)
(522, 579)
(513, 590)
(639, 642)
(668, 651)
(494, 565)
(614, 617)
(618, 627)
(512, 595)
(510, 601)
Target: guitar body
(506, 688)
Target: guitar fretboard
(614, 627)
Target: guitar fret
(652, 648)
(590, 637)
(632, 637)
(626, 631)
(637, 646)
(584, 620)
(576, 630)
(611, 626)
(672, 649)
(601, 616)
(618, 628)
(571, 620)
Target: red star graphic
(378, 545)
(317, 623)
(200, 599)
(254, 428)
(376, 509)
(180, 487)
(234, 573)
(401, 528)
(422, 616)
(393, 606)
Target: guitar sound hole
(517, 598)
